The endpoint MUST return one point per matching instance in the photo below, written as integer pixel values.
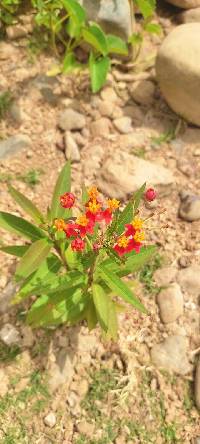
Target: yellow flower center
(122, 241)
(139, 236)
(59, 224)
(137, 223)
(82, 220)
(94, 206)
(113, 204)
(93, 192)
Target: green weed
(5, 103)
(147, 272)
(8, 354)
(165, 137)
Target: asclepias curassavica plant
(77, 256)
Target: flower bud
(150, 194)
(67, 200)
(78, 244)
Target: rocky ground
(68, 386)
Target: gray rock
(62, 370)
(123, 124)
(28, 338)
(50, 420)
(197, 440)
(123, 174)
(114, 15)
(71, 148)
(190, 16)
(197, 385)
(14, 144)
(16, 112)
(185, 4)
(9, 335)
(6, 297)
(178, 71)
(189, 209)
(143, 92)
(171, 355)
(189, 280)
(170, 301)
(71, 120)
(165, 276)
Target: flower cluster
(96, 212)
(131, 239)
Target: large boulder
(185, 4)
(189, 16)
(122, 174)
(113, 15)
(178, 71)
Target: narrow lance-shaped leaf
(42, 276)
(26, 204)
(112, 320)
(101, 302)
(91, 315)
(48, 310)
(137, 198)
(117, 285)
(33, 258)
(15, 250)
(20, 226)
(124, 218)
(63, 185)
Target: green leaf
(98, 71)
(101, 302)
(125, 217)
(135, 261)
(116, 45)
(63, 185)
(117, 285)
(95, 36)
(15, 250)
(112, 332)
(91, 316)
(73, 258)
(75, 10)
(136, 39)
(58, 284)
(73, 28)
(105, 310)
(20, 226)
(66, 307)
(153, 28)
(33, 258)
(85, 195)
(70, 63)
(26, 204)
(137, 198)
(146, 7)
(43, 275)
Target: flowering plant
(74, 263)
